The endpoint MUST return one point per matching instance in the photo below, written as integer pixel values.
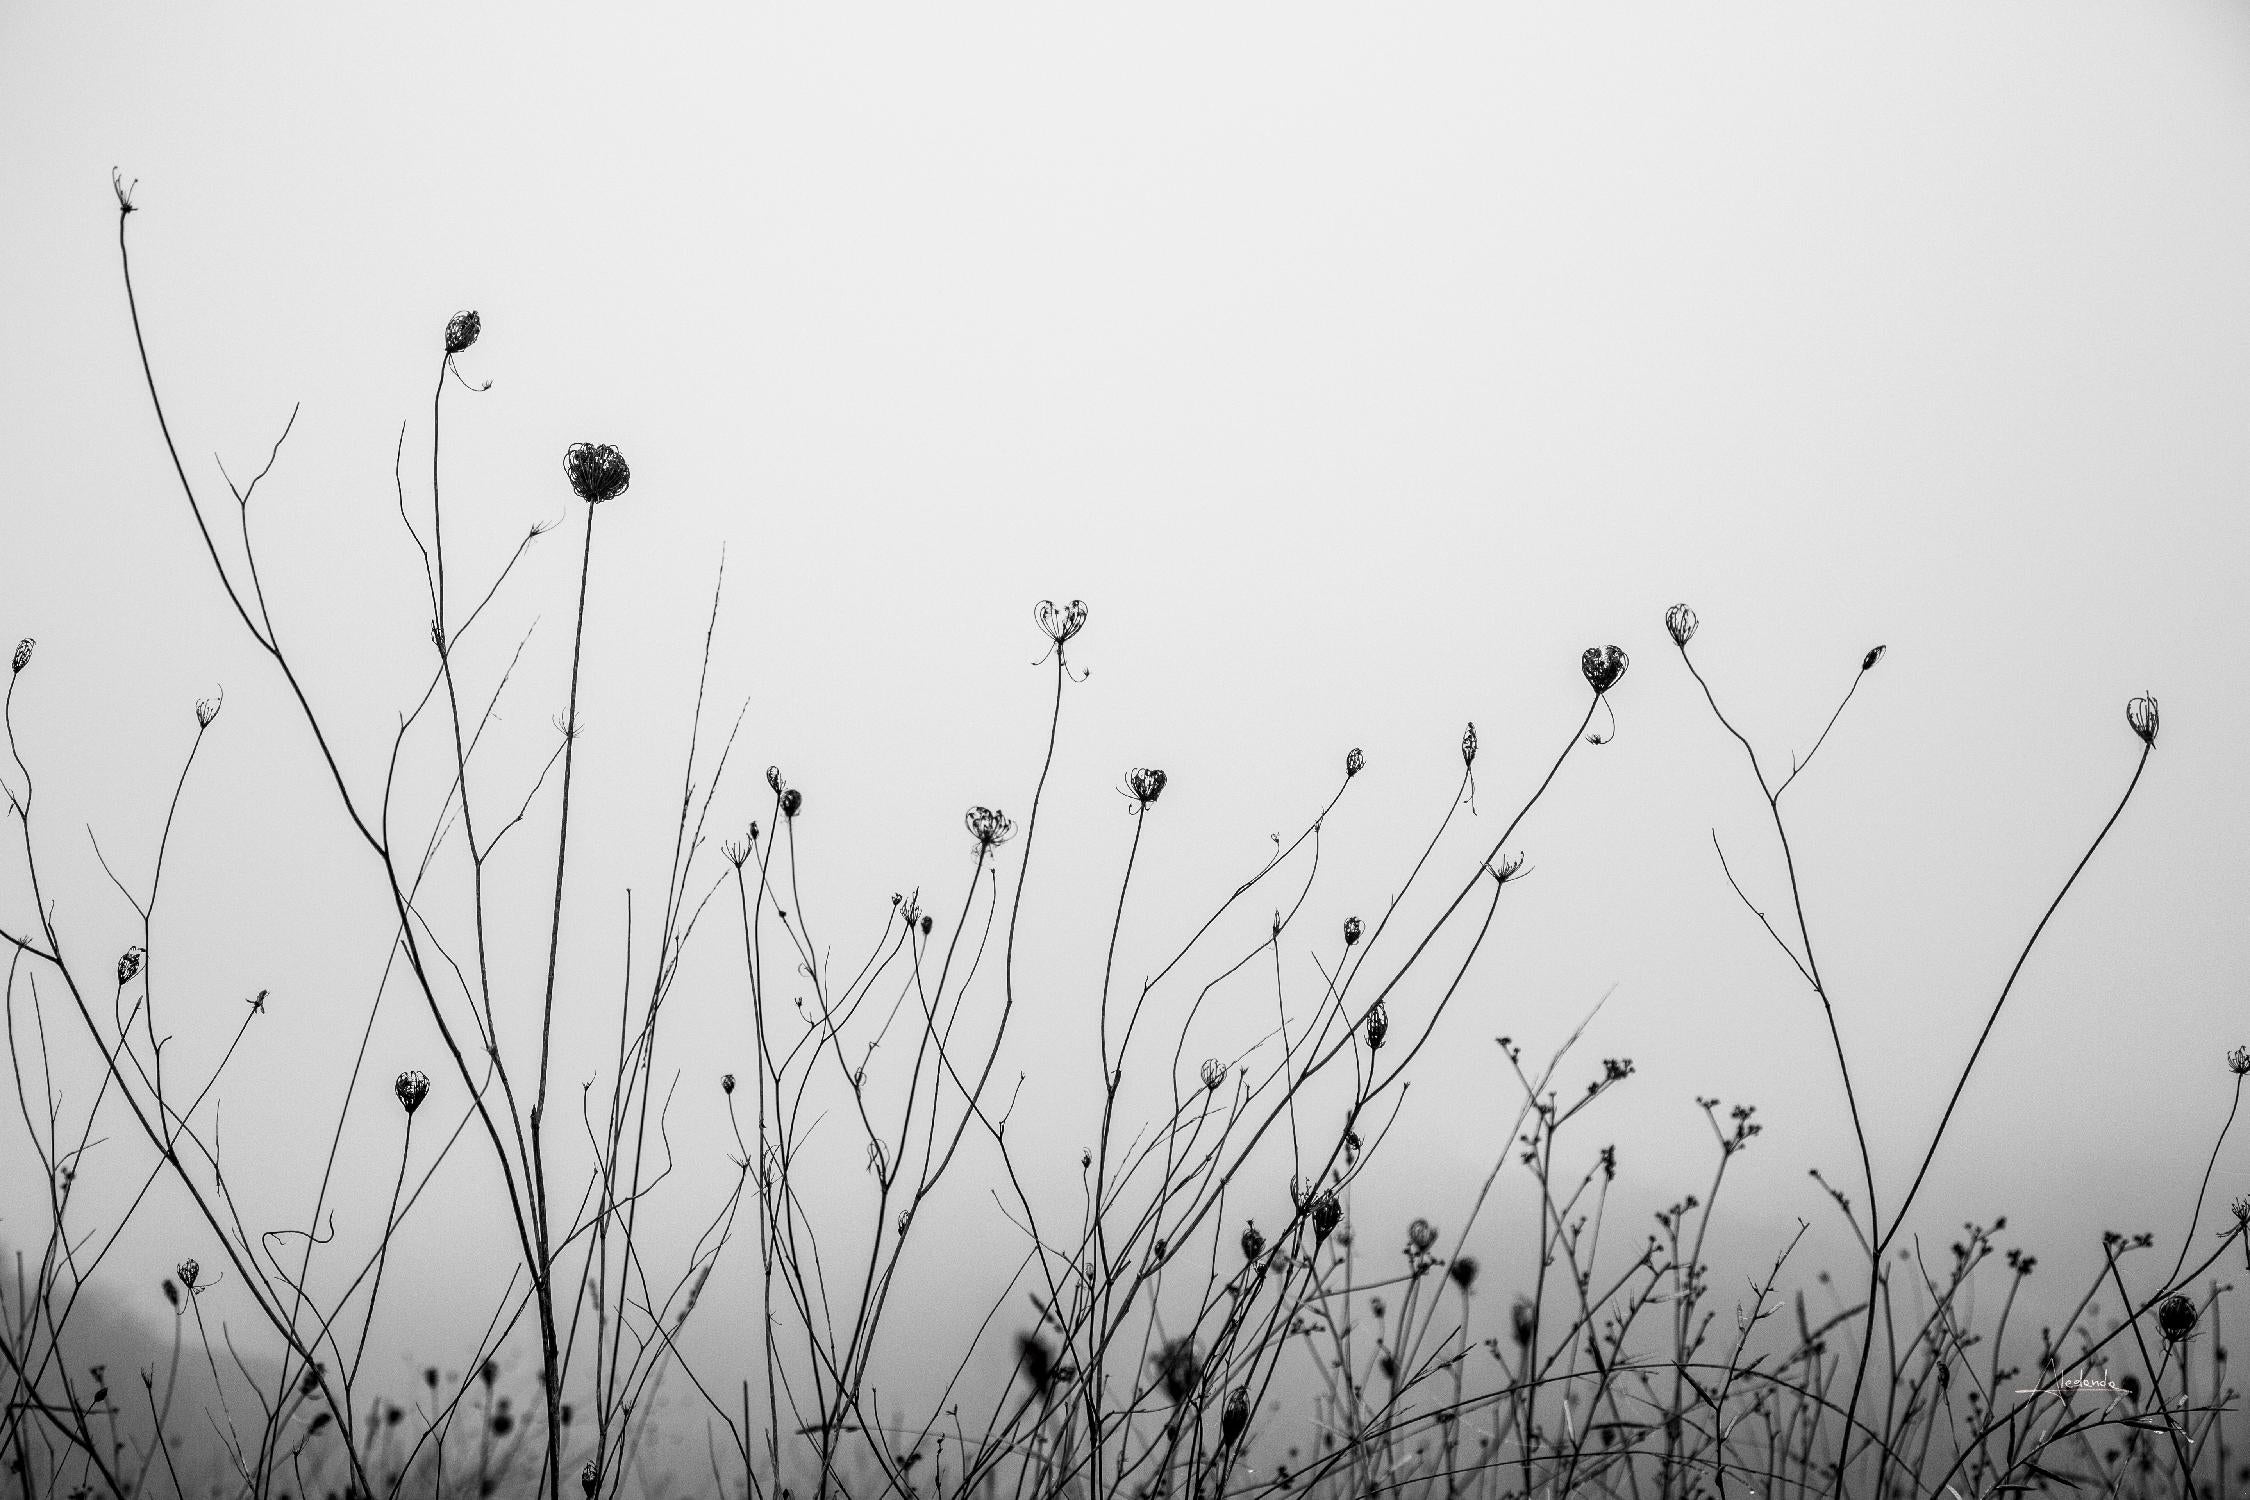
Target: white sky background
(1358, 369)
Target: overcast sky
(1359, 366)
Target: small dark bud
(2176, 1319)
(590, 1480)
(461, 331)
(926, 925)
(171, 1291)
(1521, 1322)
(1378, 1025)
(1680, 623)
(1420, 1236)
(1253, 1243)
(412, 1087)
(489, 1373)
(1867, 662)
(1352, 930)
(2238, 1061)
(207, 709)
(726, 1082)
(1469, 746)
(597, 472)
(1214, 1073)
(1354, 762)
(791, 801)
(776, 780)
(2141, 715)
(1603, 665)
(1235, 1416)
(1145, 785)
(1327, 1213)
(23, 652)
(1463, 1271)
(129, 964)
(189, 1270)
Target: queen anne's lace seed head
(1469, 746)
(2238, 1061)
(1253, 1243)
(2177, 1318)
(1354, 762)
(189, 1270)
(1327, 1213)
(129, 963)
(1059, 625)
(24, 649)
(1378, 1025)
(2141, 715)
(1420, 1236)
(1144, 785)
(1680, 623)
(988, 826)
(1214, 1073)
(1235, 1416)
(461, 331)
(1603, 665)
(597, 472)
(1352, 930)
(1867, 662)
(207, 709)
(412, 1087)
(726, 1083)
(792, 801)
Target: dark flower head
(1354, 762)
(207, 709)
(1463, 1271)
(597, 472)
(1603, 665)
(23, 652)
(776, 780)
(189, 1270)
(461, 331)
(1253, 1243)
(1036, 1360)
(1469, 746)
(1867, 662)
(926, 925)
(1179, 1367)
(1235, 1416)
(129, 964)
(792, 801)
(2176, 1319)
(412, 1087)
(1378, 1025)
(1420, 1236)
(1059, 625)
(1213, 1073)
(2238, 1061)
(590, 1480)
(2140, 714)
(988, 826)
(1680, 623)
(1352, 930)
(726, 1082)
(1327, 1213)
(1520, 1321)
(1144, 785)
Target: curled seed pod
(207, 709)
(776, 780)
(412, 1087)
(1354, 762)
(1214, 1073)
(189, 1270)
(129, 964)
(1867, 662)
(988, 826)
(597, 472)
(461, 331)
(1463, 1271)
(1327, 1213)
(1253, 1243)
(1469, 746)
(1059, 625)
(1145, 785)
(1352, 930)
(1235, 1416)
(2176, 1319)
(1680, 623)
(24, 649)
(1420, 1236)
(1378, 1025)
(726, 1083)
(1603, 665)
(791, 802)
(2141, 715)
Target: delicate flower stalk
(2140, 714)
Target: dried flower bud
(2238, 1061)
(791, 801)
(1352, 929)
(1354, 762)
(2176, 1319)
(1378, 1025)
(207, 709)
(776, 780)
(1867, 662)
(1420, 1236)
(23, 652)
(1253, 1243)
(1603, 665)
(171, 1291)
(1463, 1271)
(412, 1087)
(988, 826)
(590, 1480)
(129, 964)
(1327, 1213)
(1680, 623)
(461, 331)
(1214, 1073)
(1059, 625)
(597, 472)
(1235, 1417)
(1521, 1323)
(2141, 715)
(926, 925)
(726, 1083)
(1469, 746)
(1145, 785)
(189, 1270)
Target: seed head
(2140, 714)
(1420, 1236)
(207, 709)
(1469, 746)
(23, 652)
(1059, 625)
(1463, 1271)
(461, 331)
(171, 1291)
(590, 1480)
(1680, 623)
(2238, 1061)
(1603, 665)
(597, 472)
(1354, 762)
(2176, 1319)
(791, 801)
(1235, 1417)
(412, 1087)
(1179, 1367)
(1144, 785)
(189, 1270)
(726, 1083)
(1214, 1073)
(988, 826)
(1352, 930)
(1867, 662)
(1327, 1213)
(1253, 1243)
(1378, 1025)
(776, 780)
(129, 964)
(926, 924)
(1520, 1322)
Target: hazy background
(1358, 369)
